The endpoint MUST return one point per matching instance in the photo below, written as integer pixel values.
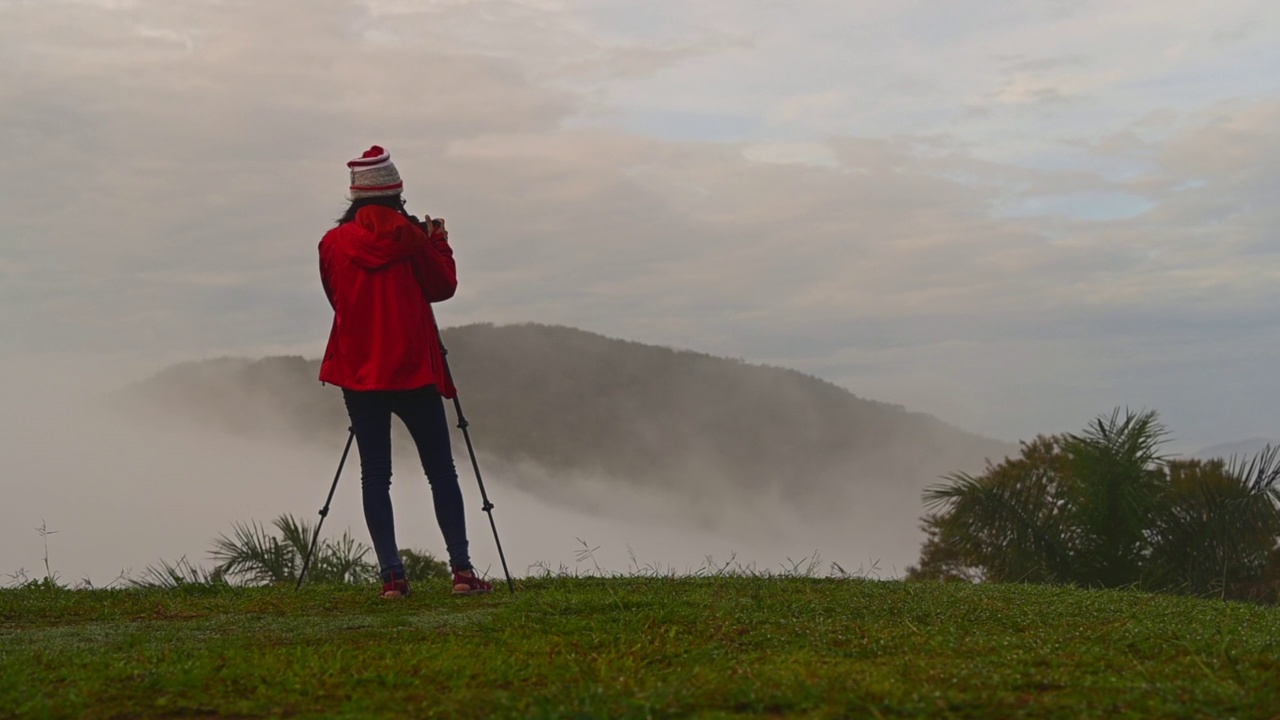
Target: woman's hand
(438, 230)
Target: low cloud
(172, 165)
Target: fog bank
(123, 492)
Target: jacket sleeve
(325, 279)
(435, 269)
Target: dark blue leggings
(422, 412)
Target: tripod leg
(463, 425)
(324, 511)
(488, 506)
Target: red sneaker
(395, 588)
(465, 582)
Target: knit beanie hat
(374, 175)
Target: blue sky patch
(1096, 206)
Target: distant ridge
(1242, 450)
(579, 404)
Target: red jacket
(381, 273)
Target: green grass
(637, 647)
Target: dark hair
(395, 202)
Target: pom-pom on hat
(374, 175)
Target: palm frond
(1117, 485)
(1261, 473)
(294, 533)
(1217, 530)
(251, 555)
(342, 561)
(1007, 520)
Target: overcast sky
(1015, 216)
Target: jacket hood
(383, 237)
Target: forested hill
(577, 404)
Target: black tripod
(488, 506)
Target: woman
(381, 270)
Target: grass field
(636, 648)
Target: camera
(435, 223)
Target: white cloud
(170, 166)
(791, 152)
